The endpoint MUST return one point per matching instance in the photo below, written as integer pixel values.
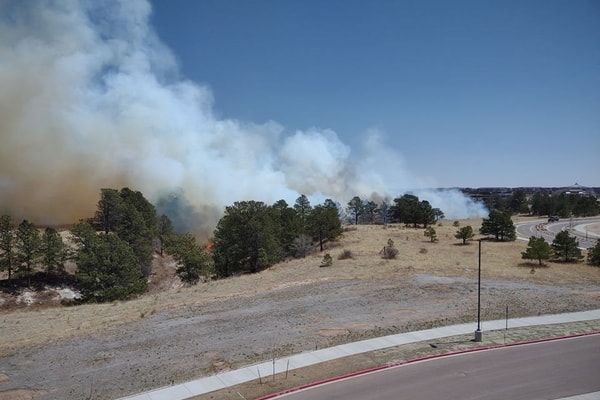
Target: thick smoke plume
(90, 98)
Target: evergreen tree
(518, 202)
(325, 224)
(107, 269)
(108, 212)
(303, 208)
(54, 252)
(165, 231)
(408, 209)
(585, 206)
(133, 230)
(7, 245)
(28, 245)
(245, 239)
(384, 211)
(541, 204)
(193, 261)
(426, 214)
(83, 235)
(132, 218)
(594, 254)
(288, 224)
(405, 209)
(438, 214)
(146, 210)
(566, 247)
(500, 225)
(465, 233)
(355, 208)
(431, 234)
(537, 249)
(370, 209)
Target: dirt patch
(176, 333)
(21, 394)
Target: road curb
(420, 359)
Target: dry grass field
(176, 333)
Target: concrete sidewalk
(249, 373)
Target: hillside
(177, 333)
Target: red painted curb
(382, 367)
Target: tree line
(563, 205)
(407, 209)
(23, 249)
(113, 249)
(253, 235)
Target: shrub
(346, 254)
(389, 252)
(301, 246)
(594, 255)
(431, 234)
(327, 260)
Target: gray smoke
(90, 98)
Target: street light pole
(478, 333)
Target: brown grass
(448, 257)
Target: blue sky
(464, 93)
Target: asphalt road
(547, 370)
(576, 226)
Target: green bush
(327, 260)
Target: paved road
(548, 370)
(584, 229)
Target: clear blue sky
(466, 93)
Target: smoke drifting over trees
(92, 99)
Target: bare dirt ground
(175, 333)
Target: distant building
(485, 193)
(576, 189)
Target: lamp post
(478, 333)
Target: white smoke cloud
(315, 161)
(91, 98)
(453, 203)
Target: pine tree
(594, 254)
(537, 249)
(192, 260)
(431, 234)
(500, 225)
(465, 233)
(108, 270)
(7, 245)
(566, 247)
(53, 251)
(28, 245)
